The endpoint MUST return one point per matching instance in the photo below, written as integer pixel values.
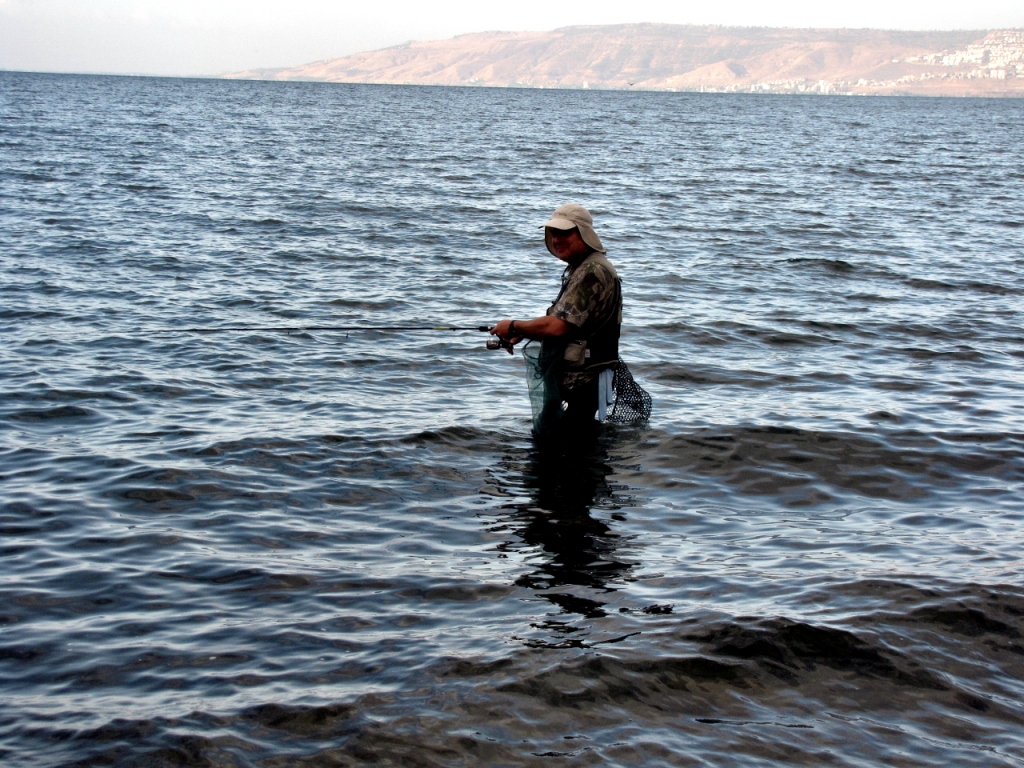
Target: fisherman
(580, 331)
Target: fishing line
(339, 328)
(491, 343)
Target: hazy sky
(205, 37)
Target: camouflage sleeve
(586, 296)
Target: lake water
(330, 549)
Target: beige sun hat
(575, 216)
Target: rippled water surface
(329, 549)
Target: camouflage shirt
(590, 301)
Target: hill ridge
(670, 57)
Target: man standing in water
(580, 331)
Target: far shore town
(999, 56)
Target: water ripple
(314, 548)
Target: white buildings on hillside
(999, 55)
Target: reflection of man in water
(578, 563)
(581, 329)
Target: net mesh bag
(631, 405)
(542, 381)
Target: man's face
(566, 244)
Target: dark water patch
(461, 438)
(165, 389)
(156, 495)
(932, 285)
(833, 265)
(901, 385)
(692, 375)
(724, 331)
(776, 461)
(993, 288)
(46, 394)
(47, 415)
(22, 655)
(305, 722)
(603, 680)
(673, 373)
(963, 353)
(872, 297)
(826, 325)
(365, 304)
(962, 620)
(786, 648)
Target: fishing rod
(491, 343)
(341, 328)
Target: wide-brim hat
(575, 216)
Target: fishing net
(542, 381)
(631, 404)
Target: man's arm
(548, 327)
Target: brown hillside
(663, 57)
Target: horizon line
(221, 75)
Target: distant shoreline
(1015, 94)
(664, 57)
